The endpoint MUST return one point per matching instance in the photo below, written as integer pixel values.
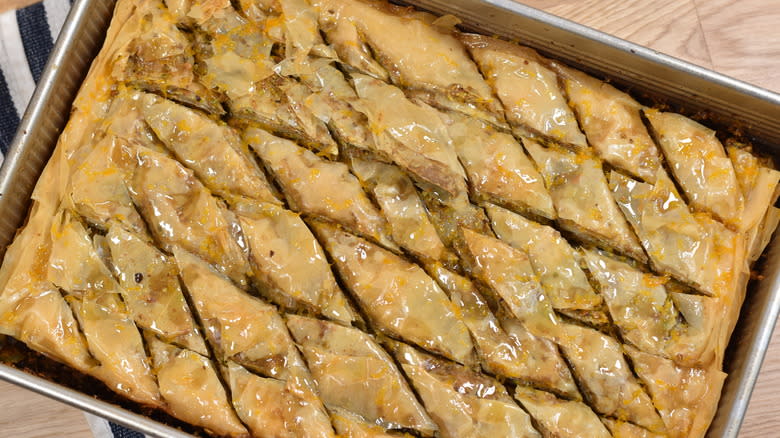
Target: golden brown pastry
(214, 152)
(612, 122)
(410, 134)
(249, 335)
(534, 103)
(151, 290)
(182, 212)
(560, 418)
(158, 57)
(607, 381)
(288, 264)
(398, 296)
(504, 345)
(349, 425)
(582, 198)
(498, 169)
(307, 180)
(554, 262)
(623, 429)
(685, 397)
(76, 267)
(638, 302)
(282, 218)
(410, 225)
(463, 403)
(678, 242)
(699, 164)
(99, 190)
(191, 388)
(365, 36)
(355, 374)
(508, 273)
(259, 343)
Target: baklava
(282, 218)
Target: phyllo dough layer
(320, 218)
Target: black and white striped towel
(26, 38)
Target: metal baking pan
(640, 70)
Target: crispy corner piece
(151, 289)
(687, 398)
(504, 346)
(213, 151)
(692, 248)
(695, 342)
(398, 296)
(559, 418)
(34, 311)
(288, 263)
(582, 199)
(759, 188)
(612, 122)
(308, 182)
(507, 272)
(461, 401)
(552, 258)
(192, 391)
(365, 35)
(355, 374)
(160, 59)
(180, 211)
(498, 169)
(534, 103)
(608, 384)
(759, 240)
(699, 164)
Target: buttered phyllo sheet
(319, 218)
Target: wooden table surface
(740, 38)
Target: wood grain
(763, 415)
(744, 38)
(7, 5)
(24, 414)
(669, 26)
(740, 38)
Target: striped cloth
(26, 38)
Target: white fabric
(13, 62)
(56, 12)
(99, 426)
